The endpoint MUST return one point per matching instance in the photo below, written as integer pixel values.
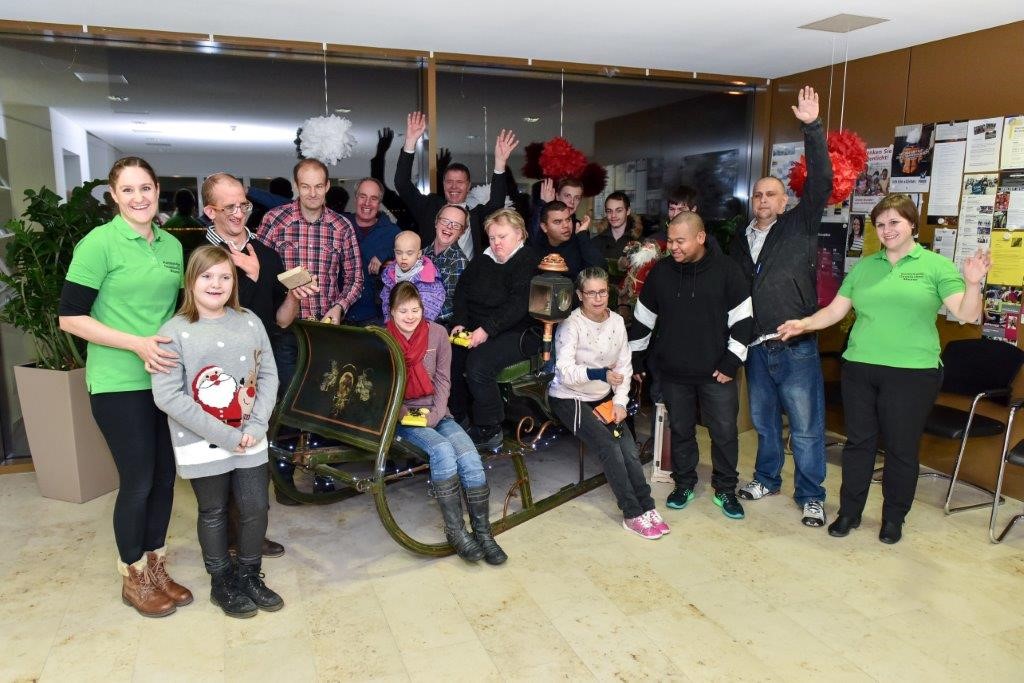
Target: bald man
(778, 258)
(695, 306)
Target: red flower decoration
(849, 156)
(560, 159)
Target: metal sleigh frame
(309, 405)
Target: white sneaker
(755, 490)
(814, 513)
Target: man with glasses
(376, 236)
(448, 258)
(424, 207)
(572, 242)
(225, 204)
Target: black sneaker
(730, 505)
(679, 498)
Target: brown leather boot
(156, 561)
(139, 591)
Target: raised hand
(385, 136)
(976, 267)
(547, 190)
(415, 127)
(444, 157)
(806, 109)
(503, 148)
(584, 224)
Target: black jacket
(496, 296)
(578, 251)
(424, 207)
(784, 280)
(693, 318)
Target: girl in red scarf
(454, 460)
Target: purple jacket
(430, 287)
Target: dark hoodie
(694, 318)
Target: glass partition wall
(70, 105)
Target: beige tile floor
(760, 599)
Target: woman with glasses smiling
(593, 363)
(448, 259)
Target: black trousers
(719, 405)
(249, 487)
(139, 440)
(894, 402)
(474, 373)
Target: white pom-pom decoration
(327, 138)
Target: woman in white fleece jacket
(593, 364)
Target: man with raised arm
(778, 255)
(424, 207)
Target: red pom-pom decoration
(531, 168)
(594, 178)
(561, 160)
(849, 156)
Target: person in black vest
(424, 207)
(225, 204)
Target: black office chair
(1012, 456)
(983, 369)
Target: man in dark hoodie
(778, 255)
(694, 319)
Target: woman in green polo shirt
(121, 286)
(892, 373)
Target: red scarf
(417, 381)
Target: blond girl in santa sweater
(218, 401)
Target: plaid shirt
(326, 247)
(449, 264)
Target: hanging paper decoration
(327, 138)
(561, 160)
(849, 156)
(558, 159)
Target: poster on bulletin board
(912, 158)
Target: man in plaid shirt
(307, 233)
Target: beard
(217, 395)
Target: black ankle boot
(479, 499)
(449, 499)
(225, 594)
(250, 583)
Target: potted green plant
(69, 454)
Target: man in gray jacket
(778, 256)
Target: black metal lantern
(550, 297)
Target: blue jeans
(786, 377)
(449, 450)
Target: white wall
(67, 136)
(102, 156)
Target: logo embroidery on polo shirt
(911, 277)
(172, 266)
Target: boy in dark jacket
(694, 318)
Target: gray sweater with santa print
(224, 386)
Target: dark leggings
(249, 487)
(137, 435)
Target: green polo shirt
(138, 285)
(896, 307)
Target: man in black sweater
(560, 235)
(424, 207)
(694, 320)
(778, 256)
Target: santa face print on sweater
(224, 397)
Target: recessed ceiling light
(158, 144)
(342, 110)
(738, 82)
(471, 137)
(95, 77)
(531, 119)
(733, 92)
(117, 98)
(843, 23)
